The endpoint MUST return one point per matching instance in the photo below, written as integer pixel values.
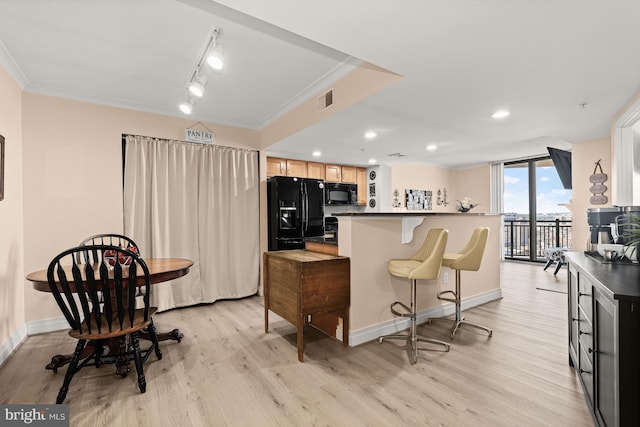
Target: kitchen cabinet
(276, 166)
(315, 170)
(604, 326)
(297, 168)
(348, 174)
(361, 180)
(286, 167)
(332, 173)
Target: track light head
(186, 107)
(215, 57)
(196, 86)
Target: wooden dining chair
(115, 321)
(110, 239)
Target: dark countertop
(621, 280)
(323, 240)
(411, 213)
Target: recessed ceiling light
(500, 114)
(316, 153)
(370, 134)
(432, 147)
(372, 161)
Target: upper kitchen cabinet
(315, 170)
(333, 173)
(297, 168)
(361, 180)
(286, 167)
(349, 174)
(276, 166)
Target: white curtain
(194, 201)
(497, 197)
(497, 187)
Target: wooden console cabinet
(604, 337)
(299, 284)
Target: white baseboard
(401, 323)
(47, 325)
(30, 328)
(14, 341)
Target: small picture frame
(1, 167)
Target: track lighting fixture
(196, 86)
(214, 57)
(215, 52)
(186, 107)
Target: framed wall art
(418, 199)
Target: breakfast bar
(370, 240)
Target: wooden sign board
(197, 135)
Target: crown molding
(9, 64)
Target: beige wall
(584, 155)
(473, 182)
(11, 239)
(73, 174)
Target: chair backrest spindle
(77, 287)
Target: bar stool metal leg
(412, 338)
(459, 320)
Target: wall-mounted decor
(418, 199)
(202, 136)
(396, 199)
(1, 167)
(442, 198)
(598, 188)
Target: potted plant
(631, 234)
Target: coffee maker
(609, 225)
(602, 226)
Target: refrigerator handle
(305, 208)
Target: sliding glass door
(535, 206)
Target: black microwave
(340, 194)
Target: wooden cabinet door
(361, 180)
(297, 168)
(573, 315)
(349, 174)
(315, 170)
(333, 173)
(605, 355)
(276, 166)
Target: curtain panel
(194, 201)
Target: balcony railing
(517, 238)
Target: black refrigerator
(296, 211)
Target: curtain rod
(124, 135)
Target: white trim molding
(27, 329)
(14, 341)
(400, 324)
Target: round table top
(160, 270)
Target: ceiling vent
(398, 155)
(325, 100)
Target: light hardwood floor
(227, 371)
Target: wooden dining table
(160, 270)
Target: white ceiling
(461, 60)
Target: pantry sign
(197, 135)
